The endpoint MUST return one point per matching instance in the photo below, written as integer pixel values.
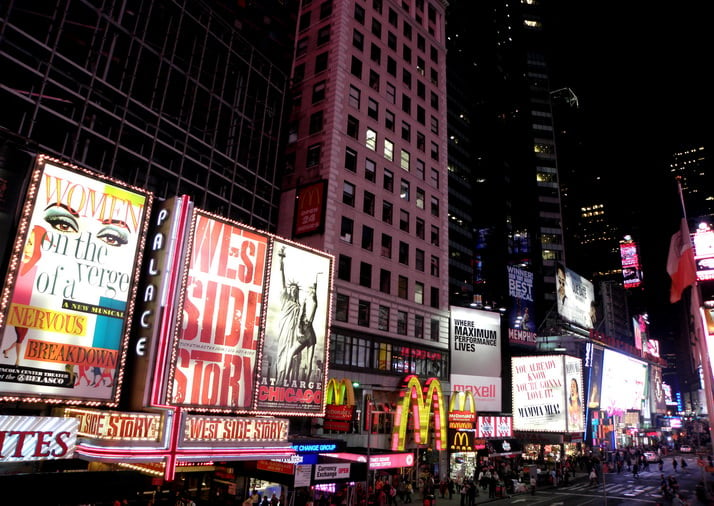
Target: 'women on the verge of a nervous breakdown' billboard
(70, 287)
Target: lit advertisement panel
(294, 350)
(575, 298)
(539, 393)
(310, 209)
(218, 335)
(595, 383)
(32, 438)
(521, 315)
(475, 342)
(703, 240)
(631, 268)
(71, 285)
(623, 383)
(476, 348)
(574, 386)
(657, 392)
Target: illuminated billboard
(218, 338)
(294, 348)
(310, 209)
(71, 284)
(521, 315)
(547, 393)
(476, 355)
(575, 298)
(657, 398)
(631, 268)
(623, 384)
(703, 240)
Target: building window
(434, 297)
(421, 115)
(367, 237)
(403, 253)
(402, 323)
(435, 82)
(305, 20)
(325, 9)
(419, 259)
(403, 285)
(321, 62)
(351, 159)
(419, 292)
(434, 151)
(373, 109)
(371, 139)
(404, 220)
(383, 322)
(407, 78)
(356, 67)
(346, 229)
(365, 274)
(434, 206)
(434, 125)
(313, 155)
(421, 90)
(420, 169)
(404, 159)
(389, 120)
(393, 18)
(391, 94)
(404, 189)
(387, 212)
(375, 54)
(342, 307)
(391, 41)
(419, 326)
(344, 268)
(323, 35)
(316, 122)
(374, 80)
(352, 126)
(386, 246)
(434, 235)
(376, 28)
(358, 39)
(435, 266)
(299, 73)
(388, 180)
(435, 101)
(434, 329)
(348, 194)
(421, 146)
(435, 178)
(370, 170)
(420, 228)
(301, 47)
(391, 66)
(368, 203)
(407, 30)
(385, 281)
(359, 14)
(363, 313)
(318, 92)
(407, 53)
(354, 97)
(406, 103)
(421, 68)
(406, 131)
(420, 198)
(389, 150)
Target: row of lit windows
(359, 353)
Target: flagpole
(700, 332)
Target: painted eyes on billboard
(64, 219)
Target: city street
(619, 489)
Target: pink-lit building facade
(366, 181)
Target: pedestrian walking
(635, 470)
(684, 464)
(593, 477)
(674, 464)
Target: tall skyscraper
(366, 180)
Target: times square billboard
(575, 298)
(69, 293)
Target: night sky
(643, 76)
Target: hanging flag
(680, 262)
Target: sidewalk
(483, 497)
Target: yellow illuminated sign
(339, 392)
(459, 416)
(421, 401)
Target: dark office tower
(367, 179)
(515, 202)
(695, 169)
(165, 95)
